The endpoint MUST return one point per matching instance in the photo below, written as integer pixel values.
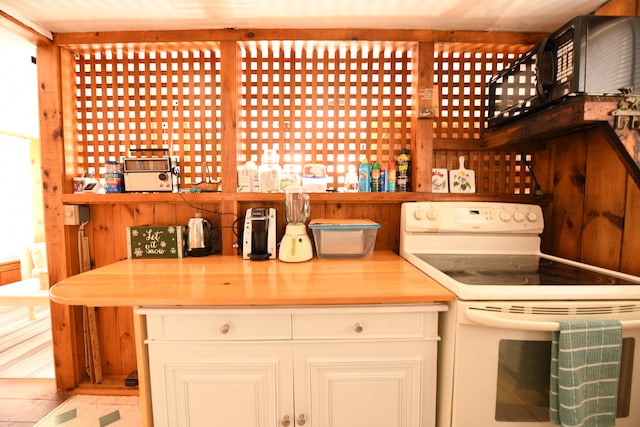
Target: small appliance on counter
(259, 235)
(296, 244)
(198, 234)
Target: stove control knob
(505, 216)
(518, 216)
(432, 214)
(532, 217)
(419, 214)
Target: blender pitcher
(296, 244)
(296, 205)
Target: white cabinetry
(365, 366)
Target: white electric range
(495, 351)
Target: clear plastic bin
(314, 185)
(344, 238)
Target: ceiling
(53, 16)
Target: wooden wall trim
(10, 272)
(9, 265)
(76, 40)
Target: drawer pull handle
(285, 421)
(358, 327)
(225, 328)
(301, 420)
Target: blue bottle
(364, 176)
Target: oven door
(501, 358)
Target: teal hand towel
(585, 369)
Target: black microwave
(594, 55)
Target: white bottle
(351, 180)
(269, 172)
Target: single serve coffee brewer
(259, 234)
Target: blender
(296, 244)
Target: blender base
(296, 244)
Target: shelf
(572, 114)
(217, 197)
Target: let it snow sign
(155, 241)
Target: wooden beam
(52, 149)
(422, 153)
(229, 82)
(77, 40)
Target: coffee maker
(259, 234)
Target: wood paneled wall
(594, 212)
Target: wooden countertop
(215, 280)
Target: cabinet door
(364, 384)
(221, 384)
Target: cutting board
(462, 180)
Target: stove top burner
(484, 270)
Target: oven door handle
(494, 320)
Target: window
(18, 133)
(16, 216)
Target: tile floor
(99, 411)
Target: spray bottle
(391, 177)
(384, 173)
(364, 176)
(404, 171)
(375, 176)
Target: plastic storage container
(314, 178)
(344, 238)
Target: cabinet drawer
(219, 326)
(366, 325)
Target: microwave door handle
(492, 320)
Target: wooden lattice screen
(462, 73)
(327, 103)
(149, 97)
(497, 172)
(313, 102)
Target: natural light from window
(18, 132)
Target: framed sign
(155, 241)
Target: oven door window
(522, 392)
